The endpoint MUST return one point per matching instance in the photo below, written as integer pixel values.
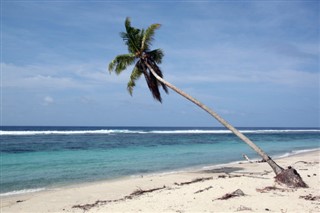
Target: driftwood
(247, 158)
(139, 192)
(272, 188)
(261, 161)
(87, 207)
(193, 181)
(305, 162)
(136, 193)
(236, 193)
(229, 176)
(250, 175)
(202, 190)
(250, 161)
(310, 197)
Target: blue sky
(254, 62)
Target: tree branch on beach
(193, 181)
(136, 193)
(236, 193)
(146, 63)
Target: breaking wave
(67, 132)
(296, 152)
(127, 131)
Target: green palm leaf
(135, 75)
(148, 37)
(132, 37)
(156, 55)
(121, 62)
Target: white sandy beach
(194, 191)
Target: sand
(192, 191)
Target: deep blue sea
(40, 158)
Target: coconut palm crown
(139, 42)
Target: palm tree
(146, 62)
(139, 42)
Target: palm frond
(132, 37)
(156, 55)
(153, 82)
(150, 80)
(135, 75)
(148, 36)
(127, 23)
(156, 68)
(121, 62)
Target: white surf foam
(297, 152)
(71, 132)
(126, 131)
(23, 191)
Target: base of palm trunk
(291, 178)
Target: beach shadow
(235, 172)
(226, 170)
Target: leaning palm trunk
(276, 168)
(282, 175)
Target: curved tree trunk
(278, 170)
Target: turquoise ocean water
(40, 158)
